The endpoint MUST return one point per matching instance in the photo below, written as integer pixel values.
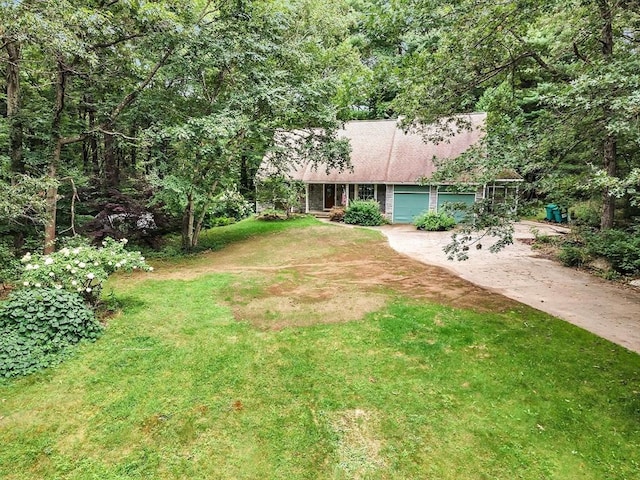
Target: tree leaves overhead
(559, 81)
(105, 91)
(113, 89)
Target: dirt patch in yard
(328, 274)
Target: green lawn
(182, 386)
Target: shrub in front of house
(434, 222)
(336, 214)
(271, 214)
(586, 214)
(364, 212)
(220, 222)
(230, 204)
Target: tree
(87, 63)
(22, 201)
(259, 69)
(279, 192)
(378, 41)
(212, 83)
(14, 121)
(559, 81)
(199, 160)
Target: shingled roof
(382, 152)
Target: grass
(217, 238)
(180, 388)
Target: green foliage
(211, 83)
(483, 221)
(434, 222)
(572, 255)
(618, 247)
(381, 38)
(566, 88)
(585, 214)
(257, 69)
(279, 192)
(9, 265)
(219, 222)
(363, 212)
(531, 210)
(80, 268)
(21, 199)
(38, 326)
(543, 239)
(201, 153)
(231, 204)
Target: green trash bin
(552, 210)
(564, 215)
(557, 215)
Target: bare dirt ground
(607, 309)
(325, 274)
(334, 274)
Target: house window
(366, 192)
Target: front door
(329, 196)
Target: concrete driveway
(607, 309)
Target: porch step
(318, 214)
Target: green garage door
(466, 198)
(408, 202)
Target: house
(392, 167)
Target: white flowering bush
(80, 269)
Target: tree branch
(131, 96)
(116, 41)
(580, 55)
(116, 134)
(126, 101)
(74, 197)
(69, 140)
(538, 59)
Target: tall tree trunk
(197, 228)
(610, 140)
(92, 140)
(245, 185)
(54, 160)
(110, 162)
(13, 105)
(133, 152)
(203, 214)
(187, 224)
(609, 201)
(51, 206)
(89, 144)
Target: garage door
(466, 198)
(409, 202)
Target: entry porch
(322, 197)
